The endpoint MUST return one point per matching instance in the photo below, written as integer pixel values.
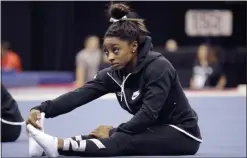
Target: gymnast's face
(119, 52)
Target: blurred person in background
(11, 118)
(171, 45)
(10, 59)
(88, 60)
(207, 70)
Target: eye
(106, 52)
(115, 50)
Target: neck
(132, 64)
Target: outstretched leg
(161, 140)
(80, 137)
(116, 145)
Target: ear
(134, 46)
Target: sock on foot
(47, 142)
(34, 148)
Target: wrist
(112, 131)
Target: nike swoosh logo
(135, 95)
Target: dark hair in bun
(130, 28)
(118, 10)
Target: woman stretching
(146, 85)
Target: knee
(11, 134)
(193, 149)
(17, 133)
(105, 148)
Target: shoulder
(103, 74)
(79, 54)
(105, 70)
(159, 66)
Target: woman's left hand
(101, 132)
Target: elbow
(150, 114)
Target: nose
(111, 57)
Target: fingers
(94, 132)
(32, 121)
(99, 133)
(38, 115)
(95, 135)
(33, 117)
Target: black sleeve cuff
(112, 131)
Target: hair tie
(116, 20)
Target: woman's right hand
(34, 115)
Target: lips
(114, 65)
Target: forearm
(69, 101)
(221, 83)
(112, 131)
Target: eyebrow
(111, 45)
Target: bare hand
(34, 115)
(101, 132)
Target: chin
(117, 67)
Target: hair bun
(118, 10)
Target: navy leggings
(161, 140)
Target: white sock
(34, 148)
(47, 142)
